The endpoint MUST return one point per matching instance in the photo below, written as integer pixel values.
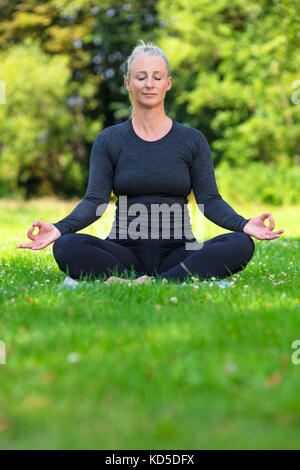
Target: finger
(39, 246)
(37, 223)
(30, 234)
(25, 245)
(272, 222)
(267, 215)
(274, 234)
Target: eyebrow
(145, 71)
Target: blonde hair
(143, 49)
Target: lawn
(161, 366)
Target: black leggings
(81, 255)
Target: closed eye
(144, 78)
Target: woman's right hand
(47, 234)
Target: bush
(259, 183)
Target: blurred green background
(235, 76)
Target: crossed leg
(84, 255)
(81, 255)
(220, 256)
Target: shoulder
(192, 133)
(111, 139)
(114, 130)
(114, 136)
(194, 138)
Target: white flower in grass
(245, 286)
(174, 300)
(213, 278)
(230, 367)
(73, 357)
(165, 281)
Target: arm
(98, 190)
(206, 192)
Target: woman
(150, 161)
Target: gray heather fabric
(161, 171)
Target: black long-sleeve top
(160, 171)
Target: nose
(149, 83)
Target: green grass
(123, 367)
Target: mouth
(149, 94)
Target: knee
(248, 245)
(61, 247)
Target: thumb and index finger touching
(36, 223)
(30, 235)
(267, 215)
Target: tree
(235, 65)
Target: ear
(127, 83)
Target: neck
(150, 121)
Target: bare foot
(142, 279)
(115, 279)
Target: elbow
(209, 200)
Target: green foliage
(36, 126)
(95, 39)
(259, 183)
(235, 64)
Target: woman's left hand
(256, 228)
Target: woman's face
(148, 80)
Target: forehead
(146, 63)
